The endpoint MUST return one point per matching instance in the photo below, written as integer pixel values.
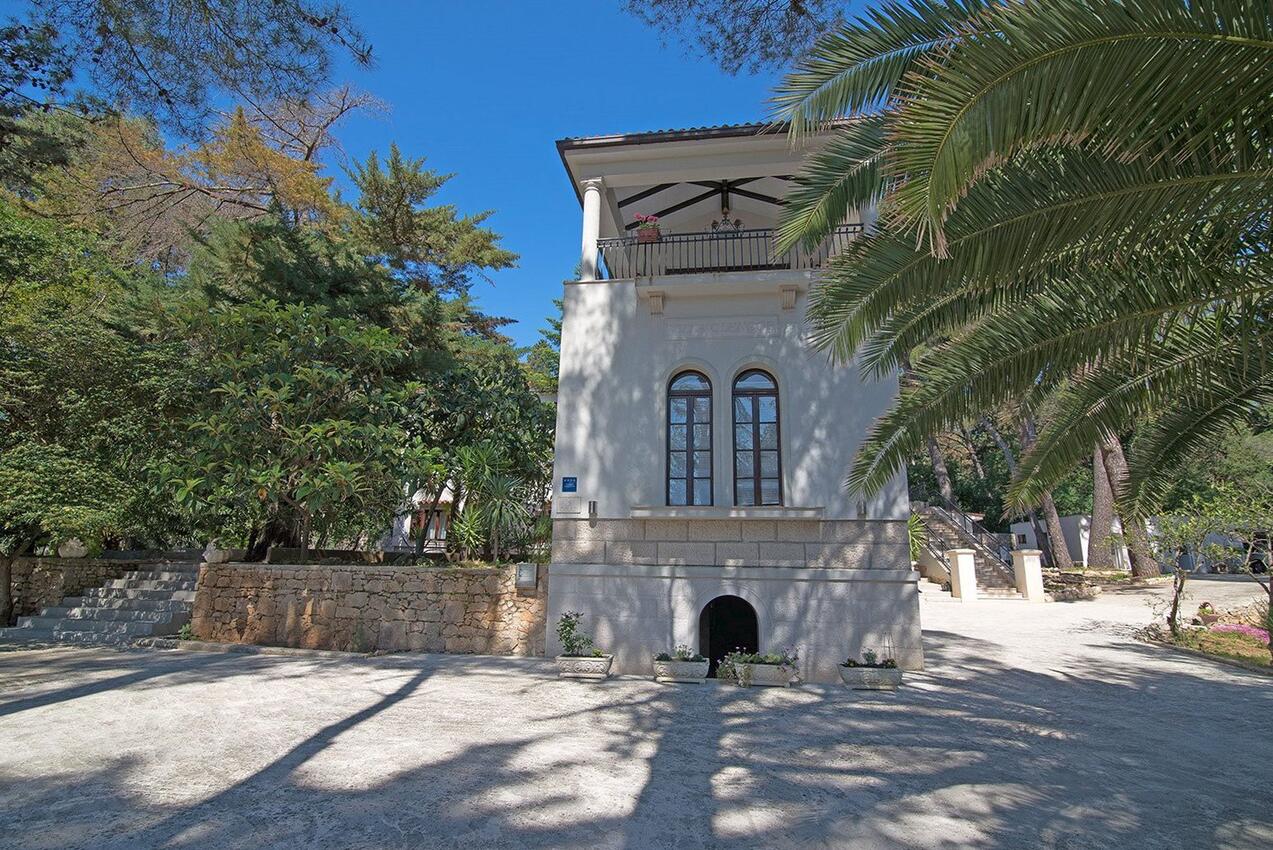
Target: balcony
(713, 251)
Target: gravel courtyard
(1034, 726)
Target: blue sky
(484, 89)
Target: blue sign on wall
(570, 484)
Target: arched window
(757, 457)
(689, 440)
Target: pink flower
(1242, 629)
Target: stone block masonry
(366, 607)
(819, 544)
(44, 582)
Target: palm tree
(1073, 199)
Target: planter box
(680, 671)
(773, 675)
(646, 235)
(578, 667)
(871, 678)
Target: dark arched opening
(726, 624)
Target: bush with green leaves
(681, 653)
(302, 438)
(575, 642)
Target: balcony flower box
(648, 229)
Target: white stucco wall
(617, 359)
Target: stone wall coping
(820, 574)
(413, 568)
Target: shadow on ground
(1150, 750)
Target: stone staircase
(142, 604)
(994, 578)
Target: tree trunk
(1100, 553)
(1056, 536)
(278, 531)
(977, 469)
(6, 580)
(6, 589)
(1142, 557)
(939, 469)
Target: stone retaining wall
(45, 582)
(371, 606)
(846, 544)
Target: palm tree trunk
(1143, 563)
(940, 470)
(1100, 552)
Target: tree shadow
(1128, 750)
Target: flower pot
(680, 671)
(772, 675)
(871, 678)
(648, 234)
(1209, 619)
(584, 667)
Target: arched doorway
(727, 623)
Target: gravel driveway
(1035, 726)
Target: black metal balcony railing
(712, 251)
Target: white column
(963, 573)
(591, 227)
(1027, 566)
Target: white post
(591, 227)
(1028, 568)
(963, 573)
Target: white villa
(701, 443)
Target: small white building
(702, 444)
(1077, 531)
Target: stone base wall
(45, 582)
(816, 544)
(371, 607)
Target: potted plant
(871, 673)
(753, 668)
(579, 658)
(680, 665)
(648, 228)
(1208, 614)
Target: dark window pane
(769, 437)
(690, 381)
(702, 436)
(676, 491)
(768, 408)
(769, 464)
(755, 381)
(742, 410)
(678, 408)
(676, 465)
(742, 436)
(743, 494)
(769, 491)
(702, 464)
(702, 491)
(702, 410)
(743, 464)
(678, 437)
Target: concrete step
(109, 593)
(91, 613)
(63, 627)
(86, 623)
(19, 633)
(165, 575)
(151, 584)
(124, 604)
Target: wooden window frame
(753, 396)
(690, 447)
